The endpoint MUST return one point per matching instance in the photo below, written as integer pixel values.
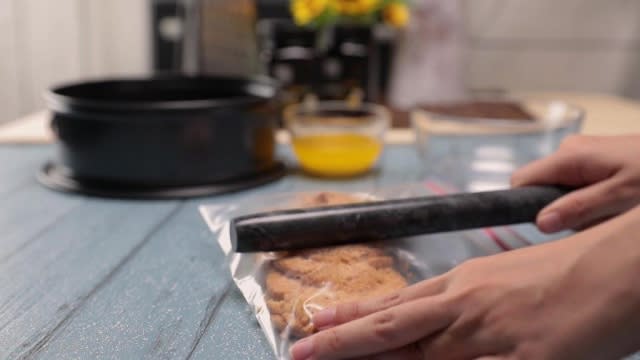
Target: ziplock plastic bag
(285, 289)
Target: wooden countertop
(102, 278)
(92, 278)
(606, 115)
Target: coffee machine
(258, 37)
(215, 37)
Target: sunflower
(320, 13)
(355, 7)
(305, 11)
(396, 14)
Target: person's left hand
(576, 298)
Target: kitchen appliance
(245, 37)
(212, 37)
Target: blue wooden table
(92, 278)
(84, 278)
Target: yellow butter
(337, 154)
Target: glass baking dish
(477, 153)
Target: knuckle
(385, 327)
(535, 349)
(577, 208)
(429, 287)
(465, 327)
(332, 341)
(527, 352)
(439, 347)
(391, 300)
(468, 268)
(462, 298)
(618, 193)
(500, 320)
(625, 192)
(347, 312)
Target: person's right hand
(607, 171)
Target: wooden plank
(605, 114)
(46, 283)
(153, 307)
(134, 280)
(19, 166)
(22, 222)
(161, 303)
(235, 334)
(14, 158)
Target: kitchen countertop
(92, 278)
(606, 115)
(87, 277)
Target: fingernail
(550, 222)
(324, 318)
(302, 350)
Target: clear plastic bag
(283, 308)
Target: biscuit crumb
(302, 283)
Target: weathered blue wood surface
(89, 278)
(117, 279)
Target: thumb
(583, 207)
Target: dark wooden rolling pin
(383, 220)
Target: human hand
(575, 298)
(607, 169)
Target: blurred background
(508, 45)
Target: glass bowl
(335, 138)
(480, 153)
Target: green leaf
(328, 17)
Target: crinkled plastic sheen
(314, 279)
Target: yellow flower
(355, 7)
(396, 14)
(305, 11)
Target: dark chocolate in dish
(481, 110)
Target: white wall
(584, 45)
(8, 66)
(44, 42)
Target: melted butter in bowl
(337, 154)
(335, 140)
